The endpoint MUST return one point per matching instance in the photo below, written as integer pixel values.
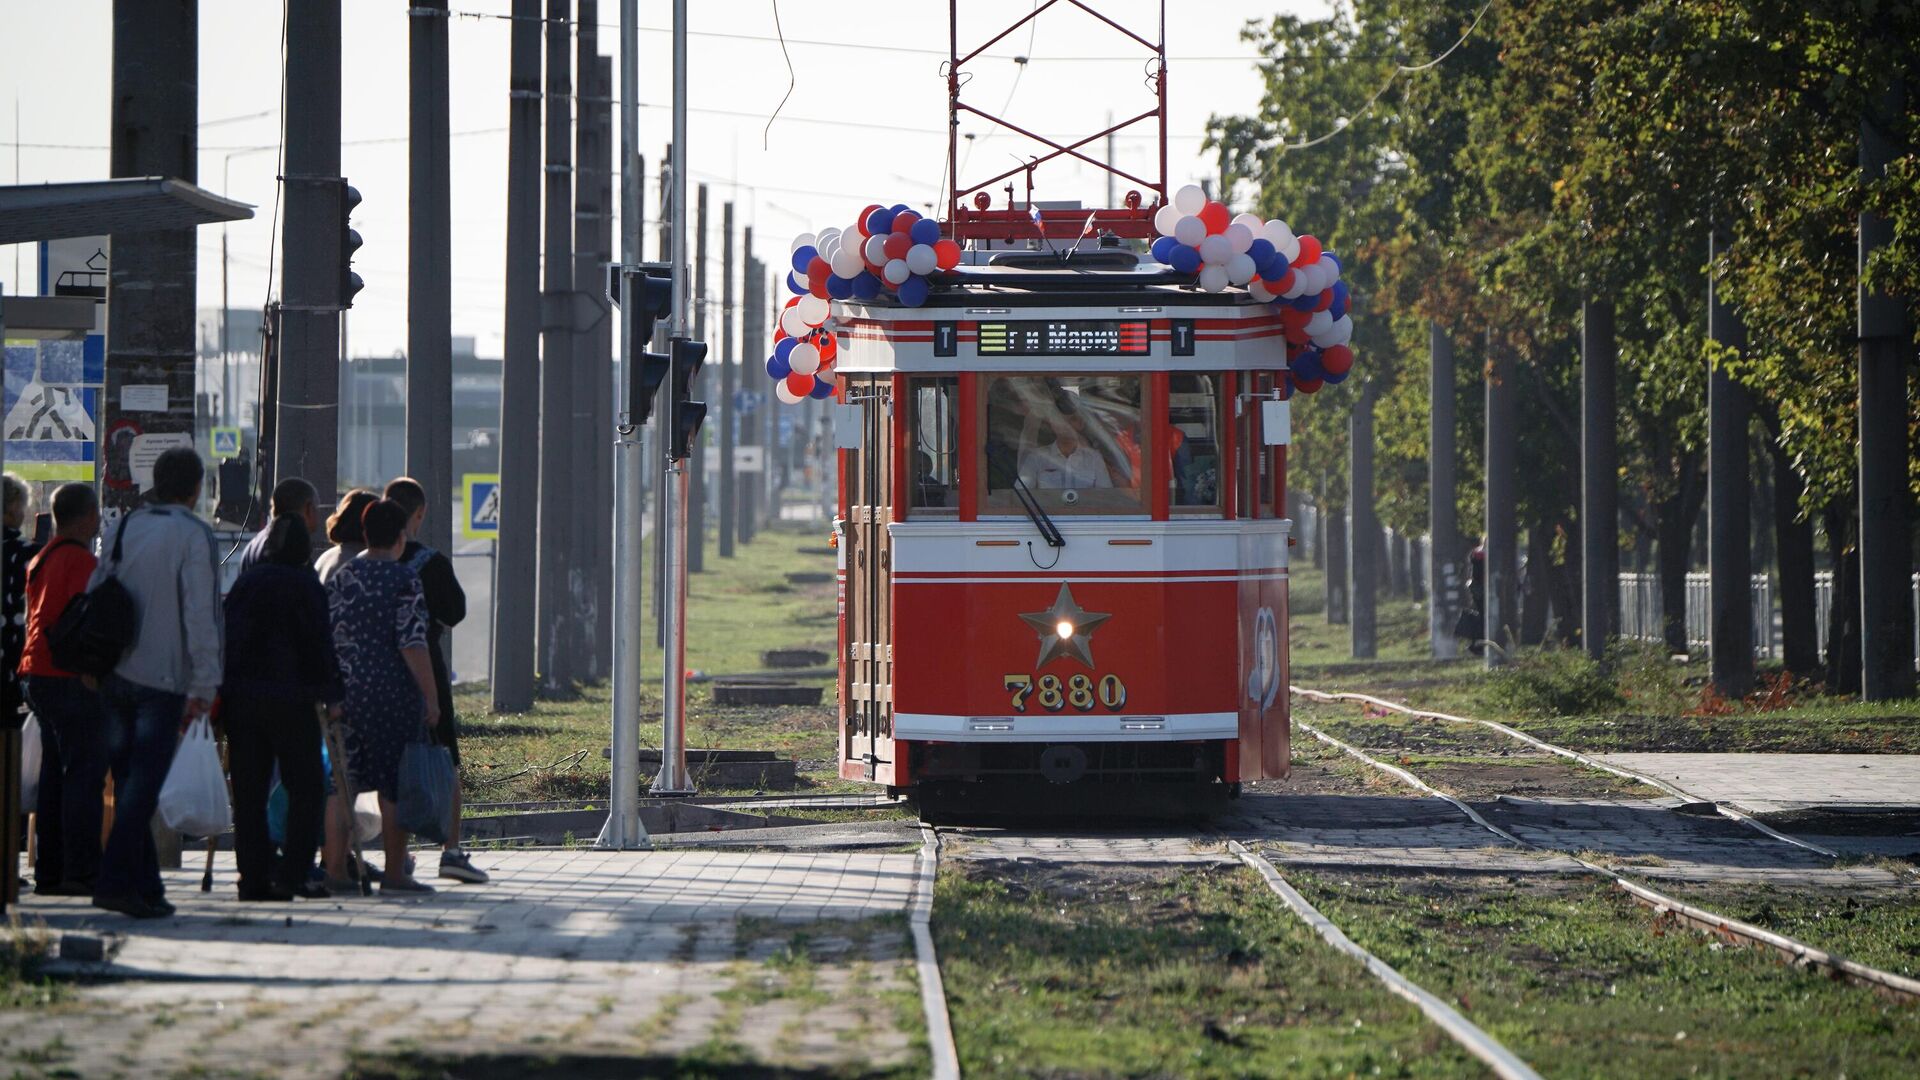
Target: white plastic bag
(30, 751)
(366, 817)
(194, 798)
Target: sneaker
(131, 906)
(456, 865)
(406, 887)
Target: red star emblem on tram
(1065, 629)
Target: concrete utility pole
(555, 647)
(770, 407)
(309, 403)
(1336, 579)
(1443, 506)
(624, 829)
(1729, 505)
(657, 432)
(1363, 537)
(593, 356)
(1599, 479)
(697, 452)
(752, 341)
(1886, 352)
(673, 778)
(728, 358)
(1502, 544)
(516, 559)
(430, 272)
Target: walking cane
(337, 756)
(206, 877)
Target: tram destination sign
(1065, 337)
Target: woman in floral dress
(379, 618)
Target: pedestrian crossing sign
(482, 503)
(226, 443)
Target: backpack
(98, 625)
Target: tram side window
(933, 424)
(1075, 441)
(1192, 438)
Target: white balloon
(1190, 199)
(1239, 236)
(1240, 269)
(1190, 231)
(1213, 278)
(1289, 250)
(1278, 233)
(1258, 291)
(805, 358)
(828, 237)
(876, 251)
(1298, 288)
(803, 240)
(1339, 333)
(896, 271)
(786, 396)
(1317, 324)
(792, 323)
(1165, 219)
(794, 281)
(813, 310)
(1215, 250)
(1251, 221)
(921, 259)
(847, 263)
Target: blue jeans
(73, 776)
(143, 727)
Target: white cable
(1346, 122)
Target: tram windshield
(1077, 442)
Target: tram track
(1734, 930)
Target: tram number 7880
(1079, 691)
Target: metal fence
(1641, 611)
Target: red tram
(1062, 544)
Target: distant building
(373, 416)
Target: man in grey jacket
(167, 676)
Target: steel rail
(933, 992)
(1799, 952)
(1574, 755)
(1504, 1062)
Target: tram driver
(1067, 462)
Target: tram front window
(934, 424)
(1076, 441)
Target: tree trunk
(1535, 593)
(1843, 615)
(1336, 533)
(1793, 544)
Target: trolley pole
(623, 830)
(1599, 479)
(1729, 484)
(1502, 543)
(1363, 534)
(1443, 524)
(673, 778)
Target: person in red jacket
(73, 731)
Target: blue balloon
(1163, 249)
(865, 285)
(839, 288)
(783, 347)
(1305, 301)
(1336, 380)
(914, 290)
(1184, 259)
(880, 222)
(777, 366)
(1272, 267)
(822, 390)
(899, 206)
(1307, 365)
(925, 231)
(1337, 265)
(1338, 308)
(1261, 250)
(804, 257)
(794, 286)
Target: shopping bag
(366, 817)
(30, 751)
(194, 798)
(426, 791)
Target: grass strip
(1103, 970)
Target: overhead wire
(1346, 123)
(793, 80)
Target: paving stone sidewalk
(789, 959)
(1771, 783)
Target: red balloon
(1305, 386)
(780, 331)
(897, 245)
(903, 222)
(799, 384)
(818, 287)
(818, 269)
(1278, 286)
(791, 300)
(1309, 252)
(829, 348)
(1215, 217)
(946, 254)
(1337, 359)
(1324, 301)
(861, 223)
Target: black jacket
(279, 637)
(446, 607)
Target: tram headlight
(1064, 629)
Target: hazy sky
(865, 123)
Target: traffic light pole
(624, 830)
(673, 778)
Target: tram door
(867, 728)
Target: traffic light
(688, 355)
(350, 242)
(650, 285)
